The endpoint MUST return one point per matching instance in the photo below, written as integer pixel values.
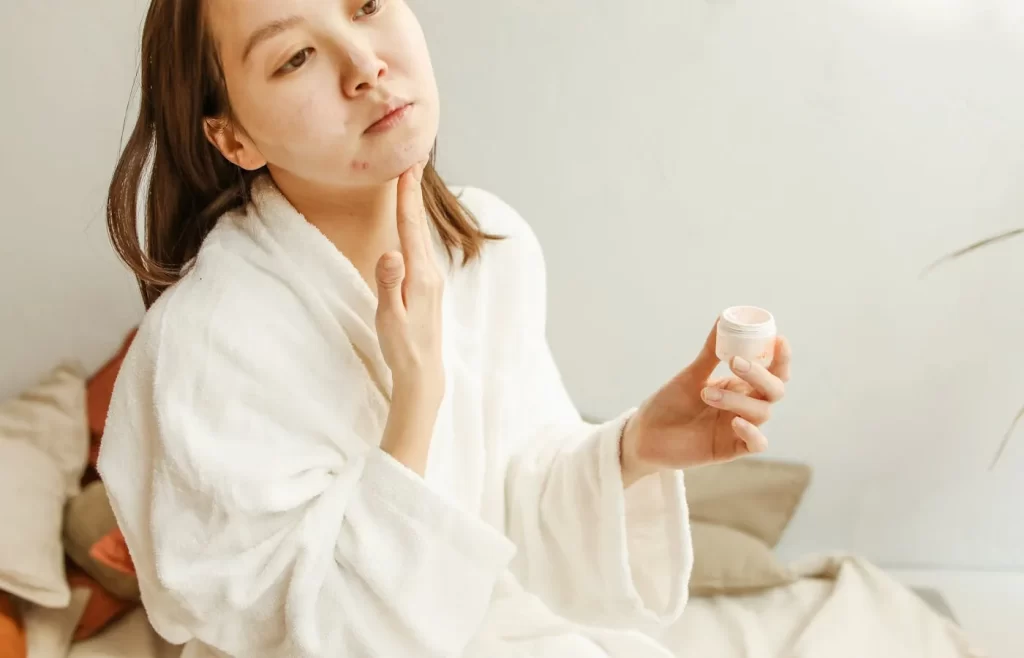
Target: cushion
(729, 561)
(43, 442)
(31, 506)
(738, 512)
(93, 543)
(112, 550)
(755, 496)
(102, 609)
(101, 387)
(48, 632)
(132, 636)
(51, 416)
(12, 632)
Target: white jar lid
(747, 321)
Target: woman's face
(311, 80)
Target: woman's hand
(410, 287)
(693, 421)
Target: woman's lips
(390, 120)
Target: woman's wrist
(410, 428)
(418, 393)
(633, 468)
(415, 405)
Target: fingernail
(739, 364)
(712, 394)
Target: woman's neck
(360, 222)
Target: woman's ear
(233, 144)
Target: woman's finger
(411, 216)
(390, 275)
(425, 224)
(754, 410)
(751, 436)
(732, 384)
(760, 378)
(781, 362)
(718, 382)
(698, 372)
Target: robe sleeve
(260, 528)
(592, 550)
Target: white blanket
(241, 457)
(842, 607)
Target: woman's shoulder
(224, 310)
(496, 216)
(512, 268)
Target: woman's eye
(296, 61)
(369, 9)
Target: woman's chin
(392, 165)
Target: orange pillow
(102, 609)
(112, 550)
(12, 633)
(99, 389)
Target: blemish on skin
(360, 165)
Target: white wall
(66, 76)
(675, 157)
(811, 156)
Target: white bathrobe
(242, 459)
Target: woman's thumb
(390, 274)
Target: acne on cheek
(360, 165)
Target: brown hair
(191, 184)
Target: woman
(339, 430)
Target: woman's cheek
(303, 116)
(312, 124)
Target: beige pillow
(31, 508)
(51, 416)
(755, 496)
(728, 561)
(43, 445)
(49, 632)
(738, 512)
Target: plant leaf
(974, 247)
(1006, 439)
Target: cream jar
(748, 332)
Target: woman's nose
(362, 70)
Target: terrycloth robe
(242, 459)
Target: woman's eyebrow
(270, 29)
